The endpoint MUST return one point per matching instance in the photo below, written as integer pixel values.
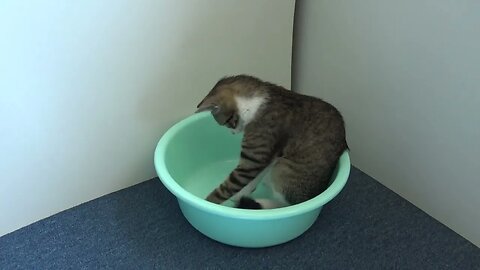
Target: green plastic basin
(196, 155)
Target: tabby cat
(301, 137)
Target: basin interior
(201, 155)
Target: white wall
(406, 75)
(88, 87)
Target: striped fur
(302, 137)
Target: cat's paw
(214, 198)
(248, 203)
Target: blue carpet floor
(366, 227)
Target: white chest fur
(247, 108)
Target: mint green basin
(196, 155)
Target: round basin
(196, 155)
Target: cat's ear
(207, 104)
(224, 115)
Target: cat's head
(221, 102)
(234, 101)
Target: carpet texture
(366, 227)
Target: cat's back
(308, 121)
(303, 109)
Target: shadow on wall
(87, 88)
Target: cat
(300, 137)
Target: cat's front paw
(213, 197)
(248, 203)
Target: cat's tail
(249, 203)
